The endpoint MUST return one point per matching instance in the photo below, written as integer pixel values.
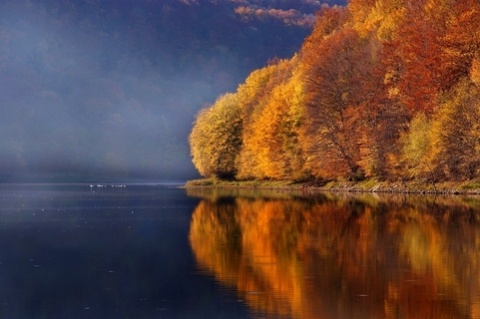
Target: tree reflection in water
(333, 257)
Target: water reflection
(334, 257)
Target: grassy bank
(251, 184)
(370, 185)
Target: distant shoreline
(366, 186)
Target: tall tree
(253, 97)
(275, 141)
(382, 118)
(332, 75)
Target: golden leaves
(215, 139)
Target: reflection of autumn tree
(350, 258)
(216, 231)
(436, 270)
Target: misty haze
(109, 89)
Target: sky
(108, 89)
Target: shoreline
(470, 188)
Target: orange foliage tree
(273, 142)
(333, 73)
(433, 49)
(252, 96)
(417, 54)
(461, 41)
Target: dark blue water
(83, 251)
(150, 251)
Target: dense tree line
(386, 89)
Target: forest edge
(471, 187)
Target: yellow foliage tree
(475, 70)
(216, 138)
(378, 18)
(446, 147)
(252, 96)
(455, 150)
(274, 142)
(415, 147)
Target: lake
(156, 251)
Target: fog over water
(103, 89)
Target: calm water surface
(71, 251)
(145, 251)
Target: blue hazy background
(108, 89)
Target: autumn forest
(381, 89)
